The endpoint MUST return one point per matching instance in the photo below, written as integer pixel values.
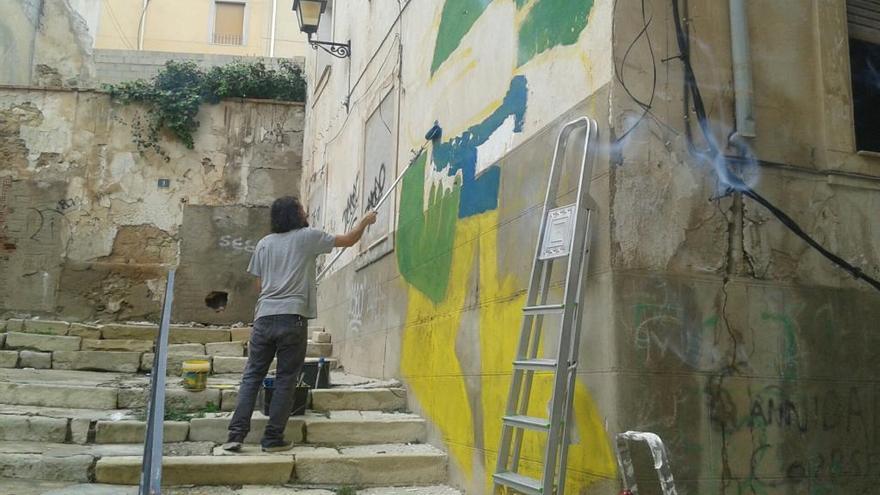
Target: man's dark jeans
(286, 336)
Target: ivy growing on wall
(173, 97)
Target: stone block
(319, 350)
(8, 359)
(186, 335)
(39, 342)
(235, 348)
(228, 364)
(174, 364)
(122, 345)
(79, 430)
(214, 428)
(37, 394)
(84, 331)
(14, 325)
(36, 360)
(131, 431)
(356, 428)
(380, 399)
(130, 332)
(201, 470)
(239, 334)
(122, 362)
(371, 465)
(186, 349)
(228, 399)
(49, 468)
(33, 429)
(321, 337)
(2, 340)
(177, 399)
(46, 327)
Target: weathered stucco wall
(46, 43)
(709, 323)
(88, 231)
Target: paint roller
(433, 134)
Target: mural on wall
(447, 252)
(547, 24)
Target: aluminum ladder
(564, 236)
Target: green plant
(346, 490)
(173, 97)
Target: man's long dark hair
(287, 214)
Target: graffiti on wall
(378, 161)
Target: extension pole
(381, 200)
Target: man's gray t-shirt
(285, 264)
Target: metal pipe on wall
(142, 25)
(742, 69)
(272, 39)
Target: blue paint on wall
(480, 193)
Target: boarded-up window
(863, 18)
(379, 168)
(228, 23)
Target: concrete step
(38, 487)
(107, 391)
(201, 470)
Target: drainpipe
(142, 26)
(742, 71)
(272, 39)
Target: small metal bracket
(338, 50)
(557, 237)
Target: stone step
(127, 356)
(39, 487)
(107, 391)
(68, 462)
(201, 470)
(96, 426)
(364, 465)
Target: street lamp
(308, 14)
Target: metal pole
(151, 468)
(381, 201)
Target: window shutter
(228, 23)
(863, 17)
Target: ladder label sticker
(557, 237)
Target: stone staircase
(72, 410)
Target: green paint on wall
(552, 23)
(520, 3)
(424, 237)
(456, 20)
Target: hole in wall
(217, 300)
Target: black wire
(645, 106)
(734, 182)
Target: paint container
(300, 399)
(195, 374)
(268, 390)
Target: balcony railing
(227, 39)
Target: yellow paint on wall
(432, 369)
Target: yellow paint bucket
(195, 374)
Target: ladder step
(545, 309)
(524, 484)
(529, 422)
(535, 364)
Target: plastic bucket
(268, 389)
(195, 374)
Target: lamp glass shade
(308, 13)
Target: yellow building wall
(175, 26)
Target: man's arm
(351, 238)
(259, 284)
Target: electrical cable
(733, 182)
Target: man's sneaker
(232, 446)
(278, 447)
